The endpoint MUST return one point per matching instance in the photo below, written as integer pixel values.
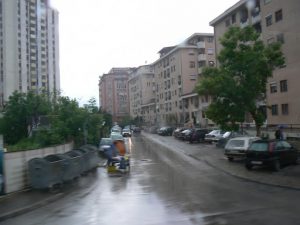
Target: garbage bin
(69, 167)
(46, 172)
(77, 162)
(84, 159)
(92, 152)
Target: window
(269, 20)
(233, 18)
(210, 39)
(280, 38)
(210, 51)
(283, 86)
(278, 15)
(274, 110)
(273, 88)
(192, 64)
(227, 23)
(201, 51)
(284, 109)
(201, 63)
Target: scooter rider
(116, 151)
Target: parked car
(177, 132)
(126, 132)
(272, 153)
(165, 131)
(136, 130)
(116, 136)
(228, 135)
(213, 136)
(198, 135)
(185, 134)
(104, 144)
(116, 129)
(237, 147)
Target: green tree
(239, 83)
(21, 115)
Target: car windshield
(235, 143)
(214, 132)
(259, 146)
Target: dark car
(198, 135)
(166, 131)
(177, 132)
(272, 153)
(185, 134)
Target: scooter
(119, 166)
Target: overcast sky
(96, 35)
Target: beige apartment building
(276, 20)
(29, 48)
(141, 86)
(177, 72)
(113, 93)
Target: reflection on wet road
(162, 190)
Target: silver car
(237, 147)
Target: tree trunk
(258, 130)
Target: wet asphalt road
(160, 192)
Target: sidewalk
(18, 203)
(24, 201)
(288, 177)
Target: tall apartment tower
(29, 47)
(279, 21)
(177, 72)
(142, 94)
(113, 93)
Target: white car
(237, 147)
(214, 136)
(126, 132)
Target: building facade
(141, 85)
(177, 72)
(113, 93)
(276, 20)
(29, 47)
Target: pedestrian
(279, 134)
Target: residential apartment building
(276, 20)
(141, 86)
(113, 93)
(177, 72)
(29, 47)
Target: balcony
(201, 57)
(256, 18)
(244, 23)
(201, 44)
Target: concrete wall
(15, 165)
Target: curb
(31, 207)
(245, 178)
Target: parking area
(288, 176)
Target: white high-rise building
(29, 48)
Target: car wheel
(248, 166)
(276, 165)
(230, 159)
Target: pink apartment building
(113, 93)
(276, 20)
(176, 74)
